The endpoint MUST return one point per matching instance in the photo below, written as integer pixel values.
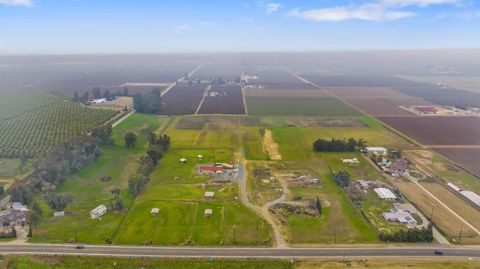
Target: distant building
(59, 214)
(400, 216)
(473, 197)
(19, 207)
(99, 101)
(183, 160)
(209, 194)
(364, 184)
(376, 150)
(155, 211)
(350, 161)
(210, 169)
(208, 212)
(385, 194)
(98, 211)
(453, 187)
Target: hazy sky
(144, 26)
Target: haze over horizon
(88, 27)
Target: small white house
(208, 212)
(183, 160)
(98, 211)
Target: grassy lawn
(296, 143)
(299, 106)
(175, 189)
(88, 191)
(65, 262)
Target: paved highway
(144, 251)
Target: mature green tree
(103, 133)
(130, 139)
(19, 192)
(76, 98)
(58, 202)
(97, 93)
(342, 179)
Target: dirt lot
(442, 217)
(299, 92)
(223, 100)
(183, 99)
(442, 96)
(371, 92)
(457, 204)
(197, 122)
(377, 106)
(270, 146)
(438, 130)
(359, 81)
(466, 157)
(324, 122)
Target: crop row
(36, 129)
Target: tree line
(158, 145)
(410, 235)
(149, 103)
(337, 145)
(53, 169)
(96, 93)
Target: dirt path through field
(270, 146)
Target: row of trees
(337, 145)
(149, 103)
(97, 93)
(410, 235)
(158, 145)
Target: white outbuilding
(385, 194)
(376, 150)
(98, 211)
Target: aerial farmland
(240, 170)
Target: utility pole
(460, 234)
(75, 232)
(234, 239)
(431, 215)
(335, 236)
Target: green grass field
(88, 191)
(299, 106)
(181, 202)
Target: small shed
(208, 212)
(155, 211)
(183, 160)
(98, 211)
(59, 214)
(209, 194)
(200, 157)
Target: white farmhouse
(98, 212)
